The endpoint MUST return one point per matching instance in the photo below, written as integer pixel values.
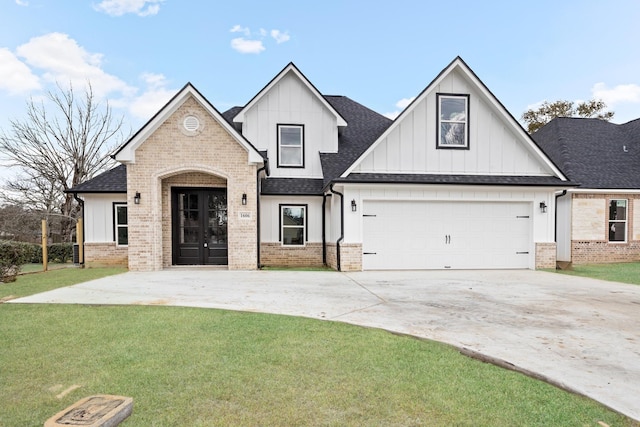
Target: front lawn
(622, 272)
(203, 367)
(29, 284)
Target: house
(599, 220)
(298, 178)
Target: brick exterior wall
(350, 256)
(590, 224)
(545, 255)
(105, 254)
(276, 255)
(172, 157)
(593, 252)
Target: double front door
(199, 218)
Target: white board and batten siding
(270, 217)
(291, 102)
(98, 214)
(494, 148)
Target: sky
(138, 53)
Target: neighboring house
(598, 221)
(299, 178)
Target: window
(293, 225)
(453, 121)
(291, 146)
(121, 232)
(618, 220)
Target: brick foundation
(350, 257)
(101, 254)
(276, 255)
(601, 252)
(545, 255)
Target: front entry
(199, 218)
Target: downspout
(555, 229)
(263, 168)
(341, 225)
(81, 203)
(324, 228)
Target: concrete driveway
(580, 334)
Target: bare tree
(59, 145)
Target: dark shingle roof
(594, 153)
(364, 126)
(111, 181)
(292, 186)
(453, 179)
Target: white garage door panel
(436, 235)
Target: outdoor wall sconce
(543, 207)
(354, 207)
(244, 199)
(136, 198)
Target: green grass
(622, 272)
(204, 367)
(37, 268)
(29, 284)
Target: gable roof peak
(290, 67)
(126, 152)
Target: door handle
(447, 239)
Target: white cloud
(243, 45)
(279, 36)
(62, 60)
(22, 3)
(154, 97)
(253, 42)
(401, 105)
(616, 95)
(122, 7)
(15, 75)
(239, 29)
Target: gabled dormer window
(453, 121)
(291, 146)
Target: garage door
(440, 235)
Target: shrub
(12, 256)
(59, 252)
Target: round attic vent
(191, 123)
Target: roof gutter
(264, 168)
(324, 228)
(341, 226)
(555, 231)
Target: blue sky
(138, 53)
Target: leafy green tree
(534, 119)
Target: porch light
(136, 198)
(354, 207)
(543, 207)
(244, 199)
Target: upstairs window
(293, 225)
(121, 231)
(618, 220)
(453, 121)
(291, 146)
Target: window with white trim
(453, 121)
(618, 220)
(121, 231)
(291, 146)
(293, 225)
